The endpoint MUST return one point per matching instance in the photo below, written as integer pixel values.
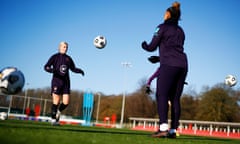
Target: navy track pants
(170, 83)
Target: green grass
(31, 132)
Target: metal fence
(191, 127)
(25, 104)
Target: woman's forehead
(64, 43)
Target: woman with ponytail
(169, 40)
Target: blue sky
(32, 29)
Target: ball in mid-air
(230, 80)
(100, 42)
(11, 80)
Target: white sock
(58, 112)
(163, 127)
(171, 131)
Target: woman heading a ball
(169, 38)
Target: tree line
(219, 103)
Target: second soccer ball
(230, 80)
(100, 42)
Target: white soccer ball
(100, 42)
(3, 116)
(11, 80)
(230, 80)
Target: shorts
(60, 86)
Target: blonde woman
(59, 65)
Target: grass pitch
(29, 132)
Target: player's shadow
(194, 139)
(107, 131)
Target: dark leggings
(170, 83)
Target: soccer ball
(100, 42)
(11, 80)
(3, 116)
(230, 80)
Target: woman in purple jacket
(169, 38)
(59, 65)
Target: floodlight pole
(125, 65)
(26, 93)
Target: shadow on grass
(99, 130)
(80, 129)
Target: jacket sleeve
(155, 75)
(152, 46)
(48, 67)
(73, 68)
